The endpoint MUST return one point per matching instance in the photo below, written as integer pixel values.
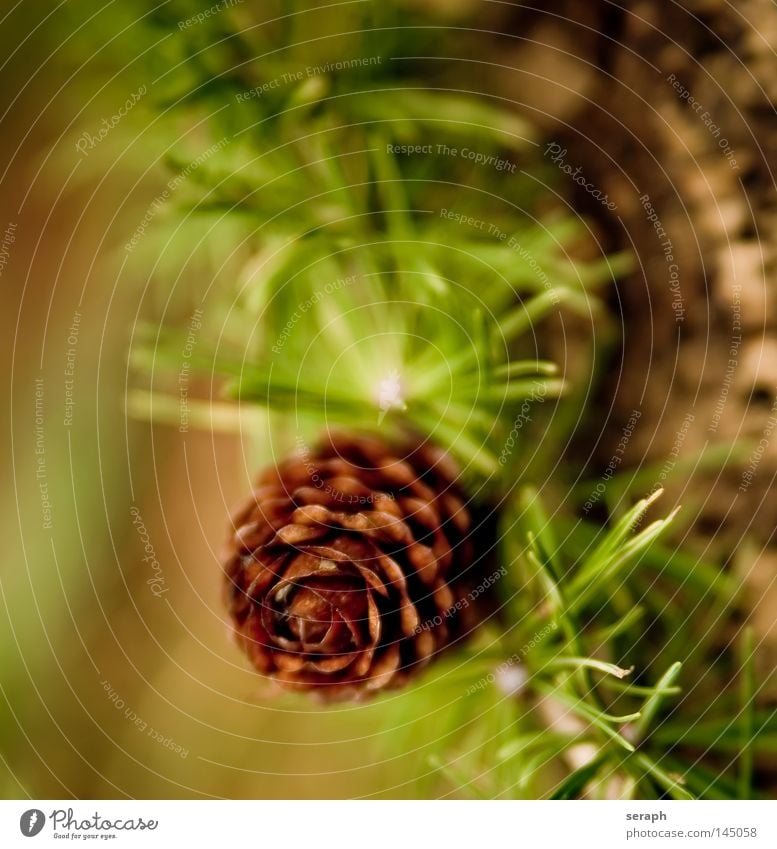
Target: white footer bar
(388, 825)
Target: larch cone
(347, 567)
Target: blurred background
(117, 675)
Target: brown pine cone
(346, 566)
